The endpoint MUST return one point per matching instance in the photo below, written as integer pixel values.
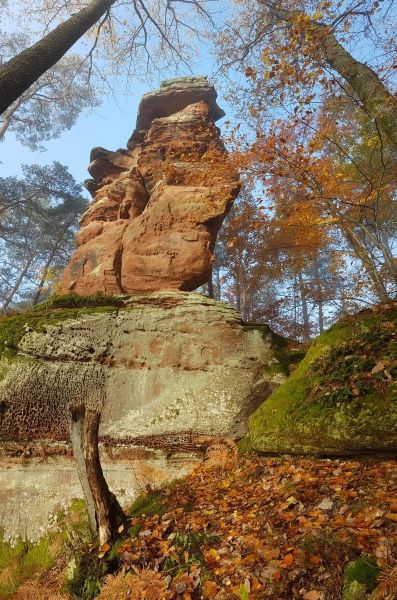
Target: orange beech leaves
(268, 528)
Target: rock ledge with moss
(342, 398)
(170, 362)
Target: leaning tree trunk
(104, 512)
(18, 74)
(379, 103)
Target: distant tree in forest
(38, 220)
(301, 49)
(315, 137)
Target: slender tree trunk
(367, 263)
(18, 74)
(104, 511)
(305, 312)
(244, 302)
(376, 98)
(76, 438)
(47, 265)
(237, 284)
(217, 285)
(210, 286)
(109, 514)
(8, 117)
(320, 298)
(16, 285)
(320, 316)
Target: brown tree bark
(379, 103)
(104, 512)
(211, 285)
(18, 74)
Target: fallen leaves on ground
(268, 528)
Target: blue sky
(109, 125)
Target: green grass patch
(22, 560)
(147, 504)
(77, 301)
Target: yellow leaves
(372, 142)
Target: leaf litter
(267, 528)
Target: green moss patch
(364, 570)
(24, 559)
(341, 399)
(13, 328)
(76, 301)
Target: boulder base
(167, 362)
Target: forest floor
(253, 527)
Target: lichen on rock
(167, 362)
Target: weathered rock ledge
(168, 362)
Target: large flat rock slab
(168, 362)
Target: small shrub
(86, 580)
(146, 584)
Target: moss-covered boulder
(342, 397)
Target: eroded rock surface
(168, 362)
(158, 205)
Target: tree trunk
(379, 103)
(104, 512)
(305, 312)
(217, 285)
(18, 74)
(367, 263)
(8, 117)
(320, 296)
(210, 286)
(18, 282)
(76, 438)
(47, 265)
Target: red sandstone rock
(157, 206)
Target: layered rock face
(170, 362)
(158, 205)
